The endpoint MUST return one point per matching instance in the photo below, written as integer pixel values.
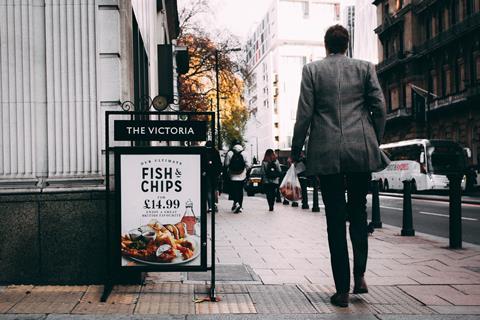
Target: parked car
(253, 183)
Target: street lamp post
(217, 71)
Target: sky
(238, 16)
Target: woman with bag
(271, 176)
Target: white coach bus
(423, 161)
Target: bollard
(455, 210)
(376, 221)
(315, 206)
(407, 227)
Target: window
(434, 25)
(428, 29)
(461, 74)
(306, 9)
(453, 13)
(433, 82)
(440, 21)
(398, 5)
(446, 81)
(395, 98)
(446, 18)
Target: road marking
(445, 215)
(392, 208)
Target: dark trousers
(271, 192)
(336, 209)
(236, 192)
(304, 185)
(211, 189)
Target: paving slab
(22, 316)
(50, 299)
(221, 289)
(12, 295)
(282, 317)
(474, 310)
(113, 317)
(229, 303)
(165, 303)
(225, 272)
(427, 317)
(286, 299)
(117, 303)
(168, 287)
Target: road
(430, 217)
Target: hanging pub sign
(161, 202)
(160, 130)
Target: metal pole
(315, 206)
(376, 221)
(455, 219)
(407, 226)
(219, 146)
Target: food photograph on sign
(160, 209)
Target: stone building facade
(433, 45)
(63, 64)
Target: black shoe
(286, 203)
(360, 286)
(270, 209)
(234, 206)
(340, 300)
(238, 210)
(278, 200)
(295, 204)
(305, 206)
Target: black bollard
(407, 227)
(376, 221)
(315, 206)
(455, 220)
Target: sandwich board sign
(159, 213)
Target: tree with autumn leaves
(197, 88)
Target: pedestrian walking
(342, 104)
(214, 168)
(236, 166)
(271, 176)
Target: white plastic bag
(290, 186)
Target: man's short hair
(336, 39)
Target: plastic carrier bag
(290, 186)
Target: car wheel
(380, 185)
(386, 186)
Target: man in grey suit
(342, 104)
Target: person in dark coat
(214, 168)
(271, 176)
(342, 104)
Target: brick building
(435, 46)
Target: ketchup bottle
(189, 218)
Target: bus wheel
(385, 185)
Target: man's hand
(295, 154)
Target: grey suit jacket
(342, 104)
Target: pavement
(275, 265)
